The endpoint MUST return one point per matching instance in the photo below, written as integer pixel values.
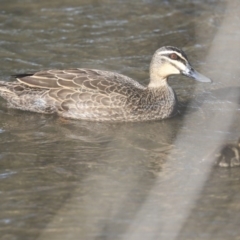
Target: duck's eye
(173, 56)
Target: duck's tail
(5, 86)
(20, 97)
(6, 89)
(3, 83)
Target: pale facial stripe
(176, 63)
(167, 52)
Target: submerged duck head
(169, 61)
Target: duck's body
(101, 95)
(229, 155)
(89, 94)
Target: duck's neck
(161, 89)
(158, 83)
(158, 79)
(164, 96)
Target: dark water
(63, 179)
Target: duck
(229, 155)
(98, 95)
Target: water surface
(64, 179)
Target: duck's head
(169, 61)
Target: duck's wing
(98, 81)
(82, 88)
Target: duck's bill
(197, 76)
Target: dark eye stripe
(178, 59)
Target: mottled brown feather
(39, 82)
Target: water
(64, 179)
